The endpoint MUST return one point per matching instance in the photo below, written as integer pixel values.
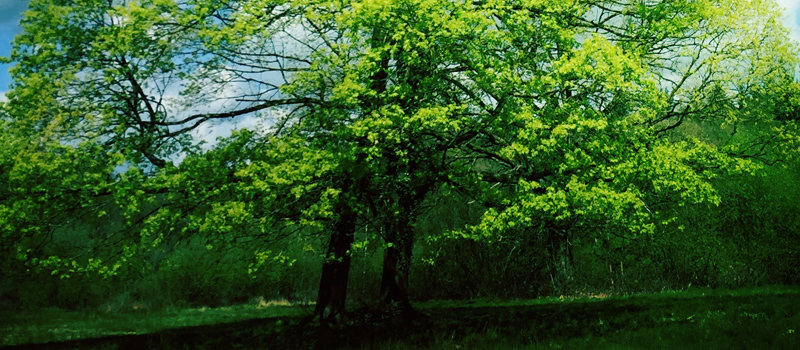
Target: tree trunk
(394, 279)
(332, 293)
(560, 250)
(397, 258)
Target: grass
(56, 325)
(756, 318)
(760, 318)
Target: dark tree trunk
(560, 249)
(394, 279)
(397, 257)
(332, 293)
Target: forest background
(408, 150)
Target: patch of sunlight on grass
(260, 302)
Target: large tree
(595, 93)
(560, 118)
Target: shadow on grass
(751, 321)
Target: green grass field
(55, 325)
(763, 318)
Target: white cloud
(3, 96)
(790, 16)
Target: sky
(791, 16)
(11, 13)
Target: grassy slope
(749, 318)
(55, 325)
(743, 319)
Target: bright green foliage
(560, 118)
(46, 186)
(585, 133)
(100, 70)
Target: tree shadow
(420, 328)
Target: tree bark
(394, 278)
(332, 292)
(560, 250)
(400, 237)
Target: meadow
(752, 318)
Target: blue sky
(11, 12)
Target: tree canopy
(558, 118)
